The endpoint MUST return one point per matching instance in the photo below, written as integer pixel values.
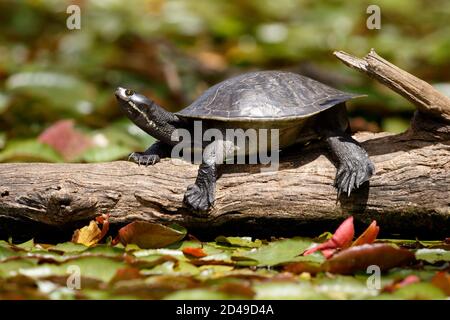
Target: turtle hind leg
(152, 155)
(354, 166)
(200, 196)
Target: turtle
(302, 109)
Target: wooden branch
(423, 95)
(409, 194)
(410, 191)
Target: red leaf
(327, 253)
(399, 284)
(369, 235)
(104, 221)
(342, 238)
(127, 273)
(359, 258)
(65, 139)
(442, 281)
(194, 252)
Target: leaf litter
(154, 261)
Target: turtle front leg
(200, 196)
(354, 165)
(152, 155)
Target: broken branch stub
(426, 98)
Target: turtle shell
(265, 96)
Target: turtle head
(146, 114)
(138, 108)
(134, 105)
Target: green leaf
(105, 250)
(186, 268)
(101, 268)
(6, 251)
(2, 140)
(416, 291)
(69, 247)
(13, 267)
(28, 245)
(59, 90)
(344, 287)
(29, 151)
(4, 101)
(163, 268)
(410, 244)
(433, 255)
(395, 125)
(223, 257)
(158, 252)
(104, 154)
(278, 252)
(239, 241)
(398, 274)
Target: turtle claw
(145, 159)
(352, 174)
(198, 198)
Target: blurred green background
(56, 84)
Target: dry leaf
(88, 235)
(149, 235)
(358, 258)
(91, 234)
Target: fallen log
(409, 193)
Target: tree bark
(409, 193)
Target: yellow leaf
(88, 235)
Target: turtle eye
(129, 92)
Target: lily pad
(239, 241)
(278, 252)
(433, 255)
(416, 291)
(28, 245)
(69, 247)
(6, 252)
(13, 267)
(101, 268)
(344, 287)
